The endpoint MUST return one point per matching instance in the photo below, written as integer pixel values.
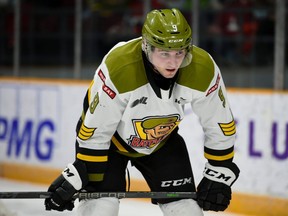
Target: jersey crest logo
(150, 131)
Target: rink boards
(37, 135)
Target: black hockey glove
(72, 179)
(214, 190)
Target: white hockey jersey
(121, 105)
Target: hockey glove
(72, 179)
(214, 190)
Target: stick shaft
(95, 195)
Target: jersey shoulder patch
(199, 73)
(125, 66)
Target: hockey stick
(95, 195)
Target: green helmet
(167, 29)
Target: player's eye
(180, 53)
(165, 54)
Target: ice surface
(35, 207)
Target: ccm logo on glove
(72, 176)
(219, 174)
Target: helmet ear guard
(146, 47)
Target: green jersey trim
(126, 67)
(199, 73)
(127, 71)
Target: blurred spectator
(264, 43)
(8, 27)
(238, 28)
(233, 31)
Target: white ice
(35, 207)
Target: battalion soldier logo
(150, 131)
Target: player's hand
(214, 190)
(62, 193)
(65, 186)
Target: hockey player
(131, 112)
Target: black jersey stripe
(95, 161)
(92, 152)
(218, 152)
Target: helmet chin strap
(155, 69)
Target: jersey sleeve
(102, 111)
(213, 109)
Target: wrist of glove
(214, 190)
(72, 179)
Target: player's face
(167, 62)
